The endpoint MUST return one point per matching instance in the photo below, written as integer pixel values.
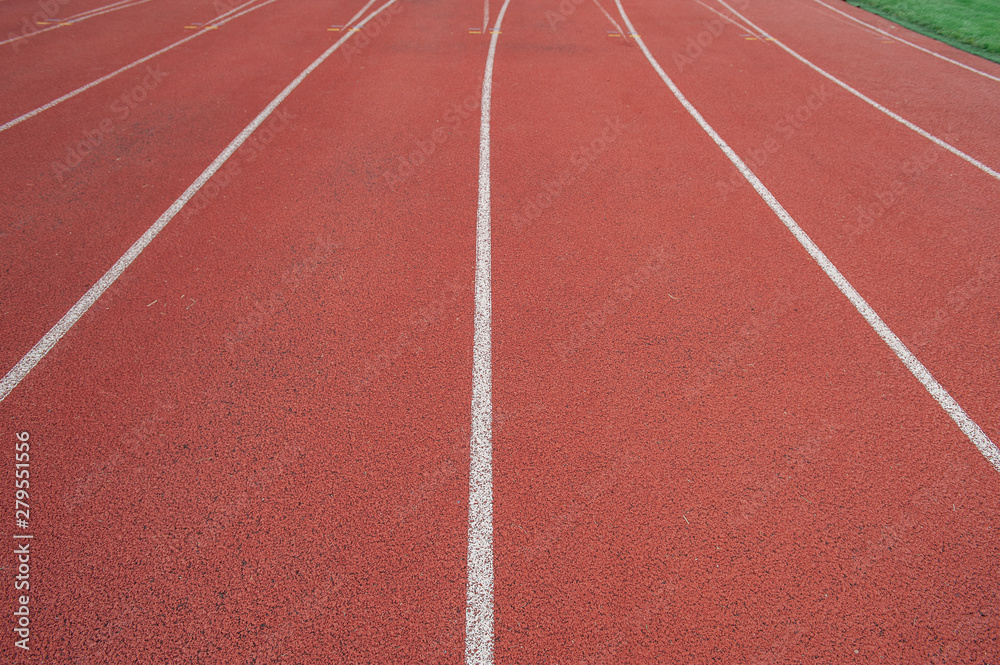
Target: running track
(394, 380)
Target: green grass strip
(971, 25)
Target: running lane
(935, 94)
(702, 453)
(24, 20)
(85, 179)
(255, 447)
(45, 66)
(911, 226)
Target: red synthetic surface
(254, 447)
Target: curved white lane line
(361, 11)
(221, 18)
(937, 391)
(44, 345)
(898, 118)
(727, 18)
(613, 21)
(908, 43)
(95, 10)
(69, 95)
(77, 18)
(479, 592)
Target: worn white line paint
(898, 118)
(99, 11)
(486, 15)
(84, 88)
(613, 21)
(479, 592)
(908, 43)
(44, 345)
(221, 18)
(95, 10)
(361, 11)
(77, 18)
(727, 18)
(937, 391)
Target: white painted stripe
(870, 32)
(44, 345)
(96, 10)
(898, 118)
(217, 23)
(221, 18)
(908, 43)
(361, 11)
(84, 88)
(937, 391)
(479, 590)
(76, 19)
(613, 21)
(727, 18)
(103, 10)
(30, 34)
(486, 15)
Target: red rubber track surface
(40, 14)
(47, 65)
(306, 358)
(254, 447)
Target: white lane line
(908, 43)
(613, 21)
(937, 391)
(361, 11)
(841, 20)
(727, 18)
(77, 18)
(898, 118)
(96, 9)
(99, 10)
(44, 345)
(479, 590)
(221, 18)
(69, 95)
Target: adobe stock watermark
(363, 36)
(121, 108)
(944, 494)
(404, 166)
(568, 519)
(696, 45)
(47, 11)
(132, 441)
(417, 325)
(566, 9)
(726, 361)
(638, 619)
(790, 124)
(222, 7)
(886, 199)
(623, 290)
(752, 503)
(246, 154)
(957, 299)
(22, 541)
(582, 158)
(289, 282)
